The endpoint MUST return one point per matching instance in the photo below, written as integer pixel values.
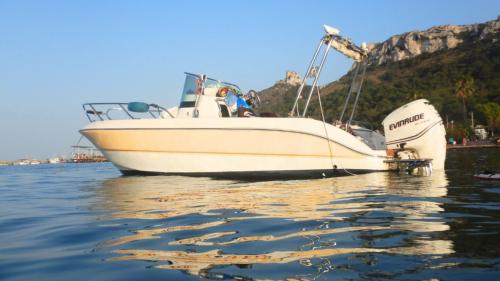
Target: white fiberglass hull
(225, 146)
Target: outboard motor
(416, 134)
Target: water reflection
(203, 225)
(164, 197)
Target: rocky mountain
(414, 43)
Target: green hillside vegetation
(467, 76)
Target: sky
(57, 55)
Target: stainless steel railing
(100, 111)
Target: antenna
(331, 30)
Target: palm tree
(465, 89)
(492, 112)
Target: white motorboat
(488, 175)
(208, 134)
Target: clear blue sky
(56, 55)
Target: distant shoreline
(470, 146)
(33, 162)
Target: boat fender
(138, 106)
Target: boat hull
(267, 147)
(228, 166)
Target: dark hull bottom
(261, 175)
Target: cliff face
(414, 43)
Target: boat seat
(245, 112)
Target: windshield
(194, 85)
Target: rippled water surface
(86, 222)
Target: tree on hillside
(492, 112)
(464, 89)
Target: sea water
(87, 222)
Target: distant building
(480, 132)
(292, 78)
(90, 154)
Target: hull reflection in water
(209, 225)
